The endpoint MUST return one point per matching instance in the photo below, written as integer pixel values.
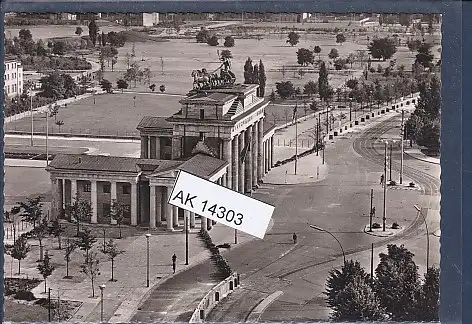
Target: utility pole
(371, 208)
(47, 134)
(317, 138)
(385, 189)
(296, 139)
(372, 265)
(49, 306)
(186, 238)
(390, 166)
(402, 139)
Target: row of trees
(204, 36)
(396, 292)
(424, 125)
(255, 74)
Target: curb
(420, 159)
(66, 135)
(256, 313)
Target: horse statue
(202, 79)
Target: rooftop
(210, 98)
(154, 122)
(200, 164)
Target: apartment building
(13, 77)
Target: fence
(212, 298)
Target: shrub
(375, 225)
(392, 183)
(224, 246)
(25, 295)
(395, 225)
(411, 184)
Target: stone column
(93, 200)
(228, 158)
(255, 133)
(235, 162)
(112, 191)
(222, 180)
(271, 152)
(63, 193)
(152, 206)
(73, 190)
(134, 204)
(159, 203)
(56, 201)
(241, 167)
(192, 220)
(169, 209)
(176, 148)
(176, 216)
(186, 218)
(260, 148)
(158, 147)
(203, 223)
(144, 147)
(267, 157)
(248, 161)
(152, 147)
(209, 224)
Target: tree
(424, 56)
(116, 39)
(378, 93)
(86, 240)
(352, 83)
(103, 39)
(229, 41)
(114, 60)
(382, 48)
(162, 88)
(93, 32)
(285, 89)
(152, 87)
(428, 297)
(20, 250)
(293, 38)
(429, 135)
(213, 40)
(80, 211)
(91, 268)
(272, 96)
(132, 73)
(32, 212)
(324, 90)
(203, 35)
(413, 45)
(317, 50)
(40, 48)
(40, 232)
(397, 282)
(333, 54)
(357, 302)
(248, 72)
(339, 279)
(70, 247)
(79, 31)
(26, 41)
(106, 85)
(404, 20)
(262, 79)
(310, 88)
(58, 86)
(45, 268)
(122, 84)
(112, 251)
(304, 56)
(340, 64)
(386, 93)
(117, 212)
(147, 74)
(226, 54)
(340, 38)
(56, 230)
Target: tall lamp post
(186, 236)
(391, 149)
(384, 218)
(147, 258)
(427, 236)
(102, 287)
(350, 109)
(325, 231)
(32, 119)
(47, 136)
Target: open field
(115, 114)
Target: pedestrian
(294, 237)
(382, 179)
(373, 211)
(174, 259)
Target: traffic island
(377, 229)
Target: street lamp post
(186, 238)
(402, 139)
(102, 287)
(147, 258)
(384, 218)
(350, 109)
(47, 137)
(427, 236)
(323, 230)
(391, 149)
(32, 119)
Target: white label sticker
(221, 204)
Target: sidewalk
(123, 297)
(417, 154)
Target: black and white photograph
(222, 167)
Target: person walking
(382, 179)
(294, 237)
(174, 259)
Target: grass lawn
(22, 182)
(24, 312)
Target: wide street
(340, 204)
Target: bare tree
(112, 251)
(91, 268)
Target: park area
(171, 63)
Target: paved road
(339, 203)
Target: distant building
(68, 16)
(150, 19)
(13, 78)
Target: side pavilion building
(218, 134)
